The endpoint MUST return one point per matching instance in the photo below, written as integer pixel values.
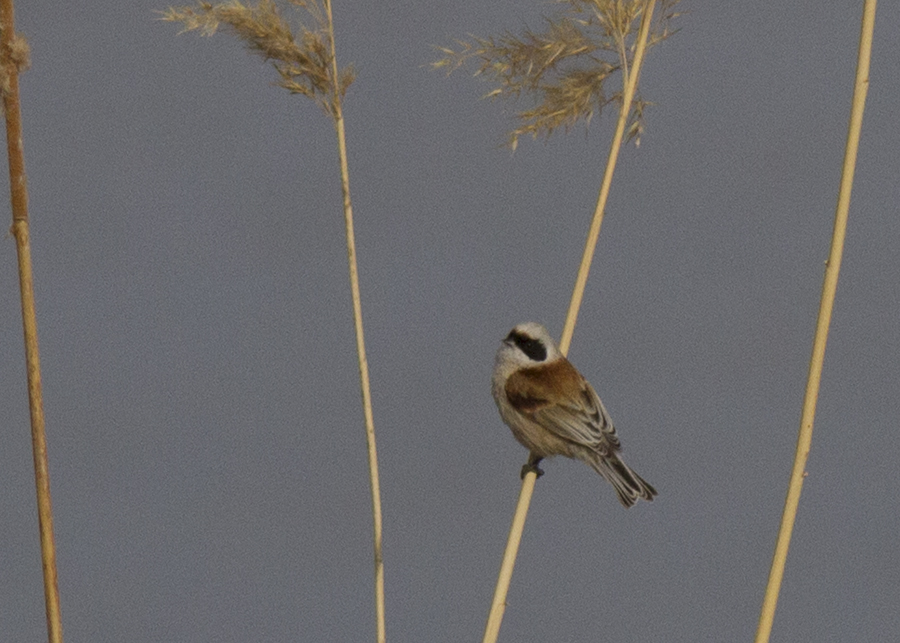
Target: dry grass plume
(564, 69)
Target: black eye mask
(530, 346)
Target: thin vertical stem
(590, 246)
(19, 200)
(498, 605)
(337, 114)
(829, 288)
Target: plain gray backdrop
(206, 444)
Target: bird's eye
(530, 346)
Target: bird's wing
(583, 420)
(579, 418)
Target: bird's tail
(629, 486)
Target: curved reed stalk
(308, 65)
(630, 79)
(360, 341)
(14, 52)
(829, 288)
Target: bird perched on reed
(553, 410)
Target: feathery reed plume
(14, 59)
(303, 60)
(565, 70)
(826, 304)
(306, 64)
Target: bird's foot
(532, 465)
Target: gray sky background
(207, 454)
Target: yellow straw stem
(19, 200)
(630, 82)
(360, 340)
(492, 630)
(829, 287)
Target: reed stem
(360, 339)
(19, 202)
(826, 305)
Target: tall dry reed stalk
(306, 63)
(13, 59)
(566, 69)
(826, 305)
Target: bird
(553, 410)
